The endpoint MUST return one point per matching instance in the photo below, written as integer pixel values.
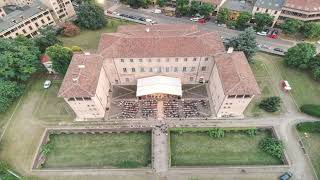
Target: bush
(216, 133)
(9, 91)
(272, 146)
(76, 49)
(251, 132)
(128, 164)
(310, 127)
(46, 149)
(70, 29)
(311, 109)
(271, 104)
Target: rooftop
(270, 4)
(304, 5)
(82, 76)
(160, 41)
(240, 6)
(20, 14)
(236, 75)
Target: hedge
(310, 127)
(311, 109)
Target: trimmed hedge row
(311, 109)
(311, 127)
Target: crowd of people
(171, 108)
(149, 108)
(191, 107)
(129, 109)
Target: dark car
(142, 19)
(278, 49)
(286, 176)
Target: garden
(107, 150)
(224, 146)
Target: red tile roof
(44, 58)
(82, 76)
(236, 75)
(304, 5)
(160, 41)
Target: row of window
(80, 99)
(159, 60)
(239, 96)
(128, 80)
(164, 69)
(267, 10)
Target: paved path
(160, 149)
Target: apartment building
(60, 9)
(307, 10)
(179, 51)
(25, 20)
(271, 7)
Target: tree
(243, 19)
(138, 3)
(46, 38)
(19, 58)
(182, 7)
(246, 42)
(223, 16)
(60, 57)
(270, 104)
(9, 91)
(316, 73)
(70, 30)
(194, 7)
(262, 20)
(300, 55)
(291, 26)
(161, 3)
(251, 132)
(272, 146)
(311, 30)
(91, 16)
(216, 133)
(206, 9)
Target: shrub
(9, 91)
(46, 149)
(271, 104)
(70, 29)
(251, 132)
(216, 133)
(76, 49)
(272, 146)
(310, 127)
(311, 109)
(128, 164)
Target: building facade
(61, 9)
(307, 10)
(179, 51)
(271, 7)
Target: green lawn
(89, 39)
(236, 148)
(99, 150)
(312, 145)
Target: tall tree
(206, 9)
(182, 7)
(138, 3)
(60, 57)
(311, 30)
(19, 58)
(91, 16)
(9, 91)
(161, 3)
(291, 26)
(246, 42)
(223, 16)
(262, 20)
(194, 7)
(46, 38)
(300, 56)
(243, 19)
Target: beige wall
(216, 89)
(271, 12)
(29, 27)
(232, 107)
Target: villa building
(171, 55)
(307, 10)
(271, 7)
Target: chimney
(86, 53)
(81, 66)
(147, 29)
(230, 50)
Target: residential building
(235, 7)
(178, 51)
(47, 63)
(271, 7)
(306, 10)
(25, 20)
(61, 9)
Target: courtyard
(197, 148)
(115, 150)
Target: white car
(157, 11)
(195, 19)
(116, 13)
(47, 84)
(151, 21)
(262, 33)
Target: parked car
(150, 21)
(194, 19)
(286, 176)
(157, 11)
(274, 34)
(262, 33)
(278, 49)
(47, 84)
(116, 13)
(202, 21)
(142, 19)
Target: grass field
(99, 150)
(236, 148)
(89, 39)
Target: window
(203, 68)
(150, 60)
(185, 59)
(125, 70)
(127, 79)
(140, 60)
(71, 99)
(133, 69)
(275, 12)
(122, 60)
(87, 98)
(184, 69)
(141, 69)
(167, 69)
(193, 68)
(116, 81)
(231, 96)
(30, 28)
(79, 99)
(36, 24)
(258, 9)
(150, 70)
(177, 59)
(191, 78)
(159, 60)
(48, 18)
(206, 59)
(175, 69)
(42, 21)
(168, 60)
(239, 96)
(24, 31)
(267, 10)
(247, 96)
(131, 60)
(159, 70)
(194, 59)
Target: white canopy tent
(159, 85)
